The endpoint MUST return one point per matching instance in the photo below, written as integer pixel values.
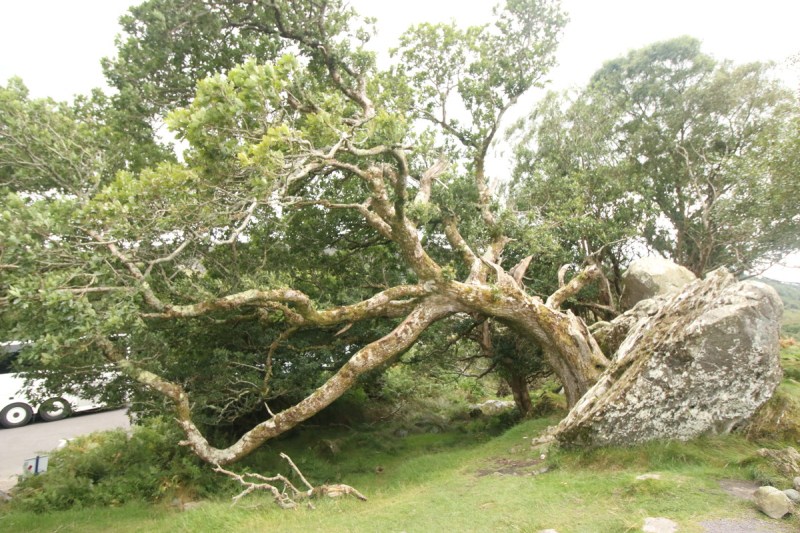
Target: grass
(447, 481)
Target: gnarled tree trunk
(519, 389)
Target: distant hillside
(790, 294)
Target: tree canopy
(328, 217)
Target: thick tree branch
(372, 218)
(458, 243)
(368, 358)
(389, 303)
(427, 178)
(574, 286)
(517, 272)
(564, 338)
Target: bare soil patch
(514, 467)
(739, 488)
(743, 525)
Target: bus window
(8, 354)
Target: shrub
(113, 467)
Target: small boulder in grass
(772, 502)
(659, 525)
(793, 495)
(797, 483)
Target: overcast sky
(56, 45)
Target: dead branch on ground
(288, 495)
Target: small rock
(648, 476)
(4, 497)
(797, 483)
(772, 502)
(659, 525)
(188, 506)
(492, 407)
(793, 495)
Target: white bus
(18, 407)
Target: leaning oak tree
(316, 145)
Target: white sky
(56, 45)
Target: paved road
(18, 444)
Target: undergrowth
(111, 468)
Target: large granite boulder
(699, 361)
(648, 277)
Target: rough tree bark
(519, 389)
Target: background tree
(669, 145)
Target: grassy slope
(790, 294)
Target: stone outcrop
(609, 335)
(699, 361)
(786, 461)
(648, 277)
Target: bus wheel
(54, 409)
(15, 415)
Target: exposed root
(288, 495)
